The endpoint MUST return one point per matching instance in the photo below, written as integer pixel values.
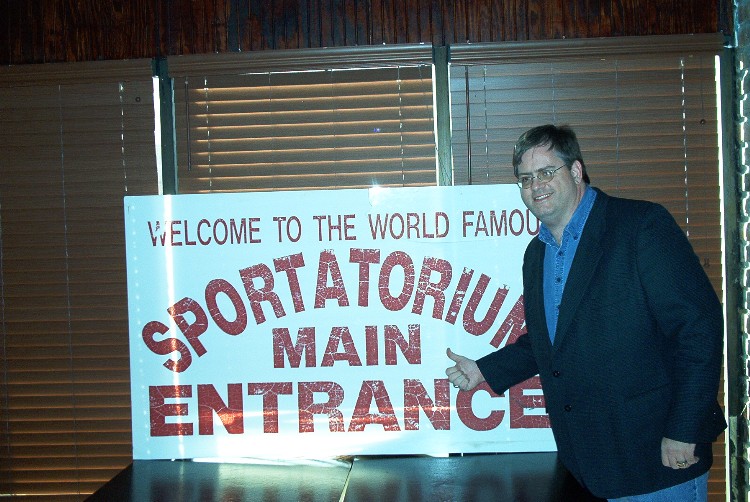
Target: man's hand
(677, 455)
(465, 375)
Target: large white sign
(315, 324)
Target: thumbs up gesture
(465, 374)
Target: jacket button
(568, 407)
(555, 373)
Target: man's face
(555, 201)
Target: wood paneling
(90, 30)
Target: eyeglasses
(543, 176)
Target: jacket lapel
(534, 294)
(584, 265)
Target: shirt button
(558, 280)
(568, 407)
(555, 373)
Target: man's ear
(576, 170)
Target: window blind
(334, 127)
(645, 115)
(75, 140)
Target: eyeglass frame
(546, 172)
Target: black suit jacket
(637, 353)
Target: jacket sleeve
(689, 315)
(509, 365)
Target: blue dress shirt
(558, 259)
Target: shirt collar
(574, 228)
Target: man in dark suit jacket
(623, 328)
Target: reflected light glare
(169, 280)
(315, 462)
(375, 194)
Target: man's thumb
(452, 355)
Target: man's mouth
(542, 196)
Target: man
(623, 328)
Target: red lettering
(204, 241)
(470, 324)
(397, 258)
(270, 393)
(240, 321)
(412, 350)
(156, 232)
(465, 222)
(440, 215)
(516, 231)
(188, 242)
(308, 408)
(174, 232)
(378, 226)
(159, 410)
(365, 257)
(412, 223)
(253, 230)
(459, 295)
(340, 229)
(371, 345)
(513, 326)
(191, 330)
(434, 289)
(518, 222)
(220, 223)
(499, 227)
(165, 347)
(263, 294)
(340, 335)
(290, 264)
(230, 413)
(373, 390)
(329, 265)
(437, 411)
(282, 343)
(519, 402)
(466, 413)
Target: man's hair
(560, 139)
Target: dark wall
(32, 31)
